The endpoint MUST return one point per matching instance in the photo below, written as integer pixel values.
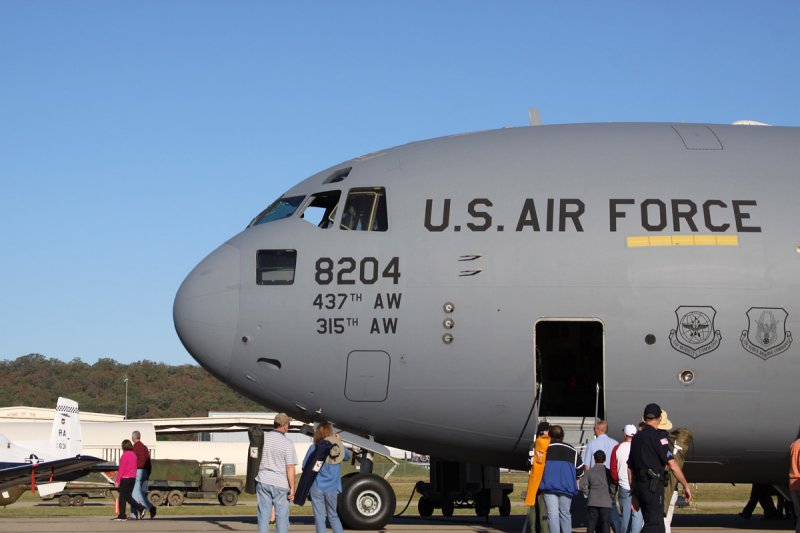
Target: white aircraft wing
(59, 470)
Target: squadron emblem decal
(695, 334)
(766, 334)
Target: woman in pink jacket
(126, 479)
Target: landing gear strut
(455, 485)
(367, 500)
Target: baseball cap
(652, 411)
(630, 430)
(281, 419)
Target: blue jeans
(325, 503)
(559, 519)
(630, 519)
(140, 488)
(615, 520)
(269, 496)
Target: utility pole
(126, 397)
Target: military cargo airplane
(444, 296)
(50, 463)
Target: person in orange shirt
(534, 500)
(794, 480)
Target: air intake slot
(273, 364)
(338, 175)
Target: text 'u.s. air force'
(566, 214)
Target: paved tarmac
(305, 524)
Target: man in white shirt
(275, 479)
(619, 471)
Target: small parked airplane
(50, 463)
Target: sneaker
(152, 513)
(118, 519)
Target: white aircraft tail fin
(66, 435)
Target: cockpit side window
(320, 209)
(283, 207)
(365, 210)
(275, 267)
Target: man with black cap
(649, 455)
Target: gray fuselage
(678, 241)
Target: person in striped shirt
(275, 484)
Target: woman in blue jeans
(327, 485)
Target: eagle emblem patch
(766, 334)
(695, 334)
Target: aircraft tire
(367, 501)
(425, 507)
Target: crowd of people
(634, 474)
(640, 475)
(624, 481)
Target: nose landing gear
(367, 501)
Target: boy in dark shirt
(597, 486)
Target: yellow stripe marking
(682, 240)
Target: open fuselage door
(569, 375)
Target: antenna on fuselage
(535, 116)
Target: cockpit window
(281, 208)
(320, 209)
(365, 210)
(275, 267)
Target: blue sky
(137, 136)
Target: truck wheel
(425, 507)
(367, 501)
(78, 499)
(447, 508)
(229, 497)
(63, 500)
(156, 497)
(175, 498)
(505, 507)
(482, 506)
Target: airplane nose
(206, 309)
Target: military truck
(173, 480)
(93, 485)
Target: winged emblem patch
(694, 334)
(766, 334)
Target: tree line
(155, 390)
